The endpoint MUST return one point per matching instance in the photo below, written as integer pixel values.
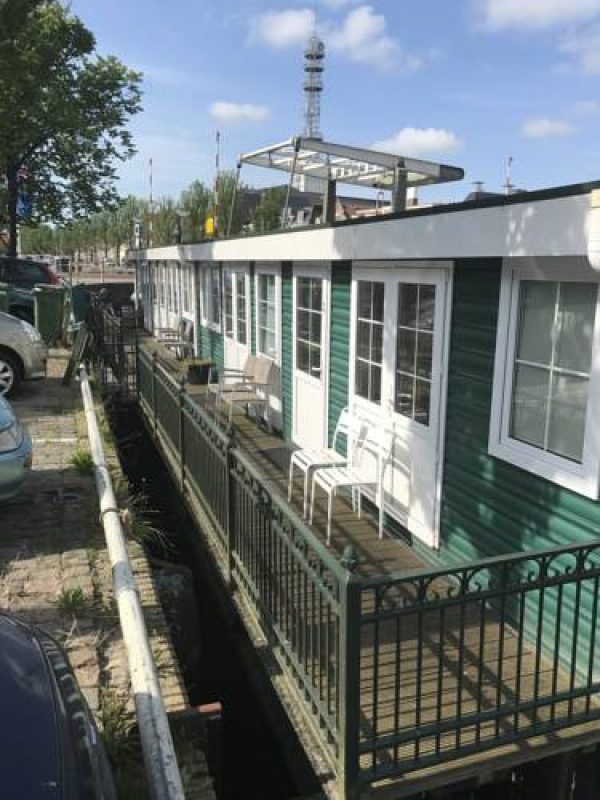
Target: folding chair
(256, 393)
(379, 443)
(347, 425)
(233, 380)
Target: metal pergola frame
(350, 165)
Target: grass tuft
(82, 462)
(71, 601)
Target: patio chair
(233, 380)
(379, 443)
(178, 339)
(256, 393)
(306, 461)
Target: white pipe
(157, 745)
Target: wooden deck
(424, 667)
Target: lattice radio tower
(314, 55)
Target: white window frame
(187, 289)
(206, 300)
(581, 478)
(270, 269)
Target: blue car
(16, 453)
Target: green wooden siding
(211, 345)
(287, 355)
(490, 507)
(339, 341)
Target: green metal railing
(401, 671)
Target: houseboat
(471, 332)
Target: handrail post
(349, 681)
(154, 362)
(231, 506)
(181, 442)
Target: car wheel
(10, 372)
(22, 313)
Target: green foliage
(82, 462)
(267, 214)
(63, 115)
(71, 601)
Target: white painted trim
(311, 269)
(552, 226)
(581, 478)
(270, 268)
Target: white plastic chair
(379, 443)
(306, 460)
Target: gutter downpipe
(157, 744)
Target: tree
(63, 115)
(195, 202)
(267, 214)
(241, 210)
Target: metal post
(329, 203)
(231, 507)
(289, 188)
(349, 684)
(234, 197)
(164, 780)
(181, 441)
(154, 362)
(399, 191)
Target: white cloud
(225, 111)
(535, 14)
(418, 142)
(584, 48)
(544, 128)
(283, 28)
(363, 38)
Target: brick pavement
(54, 568)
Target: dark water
(248, 762)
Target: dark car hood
(30, 761)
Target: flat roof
(357, 166)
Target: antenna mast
(314, 55)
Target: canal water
(247, 757)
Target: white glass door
(311, 326)
(400, 341)
(236, 317)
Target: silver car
(23, 354)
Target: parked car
(23, 354)
(16, 453)
(22, 274)
(49, 741)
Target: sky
(466, 82)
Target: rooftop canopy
(353, 165)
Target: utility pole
(216, 192)
(150, 207)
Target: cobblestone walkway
(54, 569)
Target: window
(369, 340)
(552, 366)
(211, 295)
(186, 289)
(228, 311)
(414, 350)
(241, 309)
(309, 314)
(544, 380)
(267, 315)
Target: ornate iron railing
(401, 671)
(115, 346)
